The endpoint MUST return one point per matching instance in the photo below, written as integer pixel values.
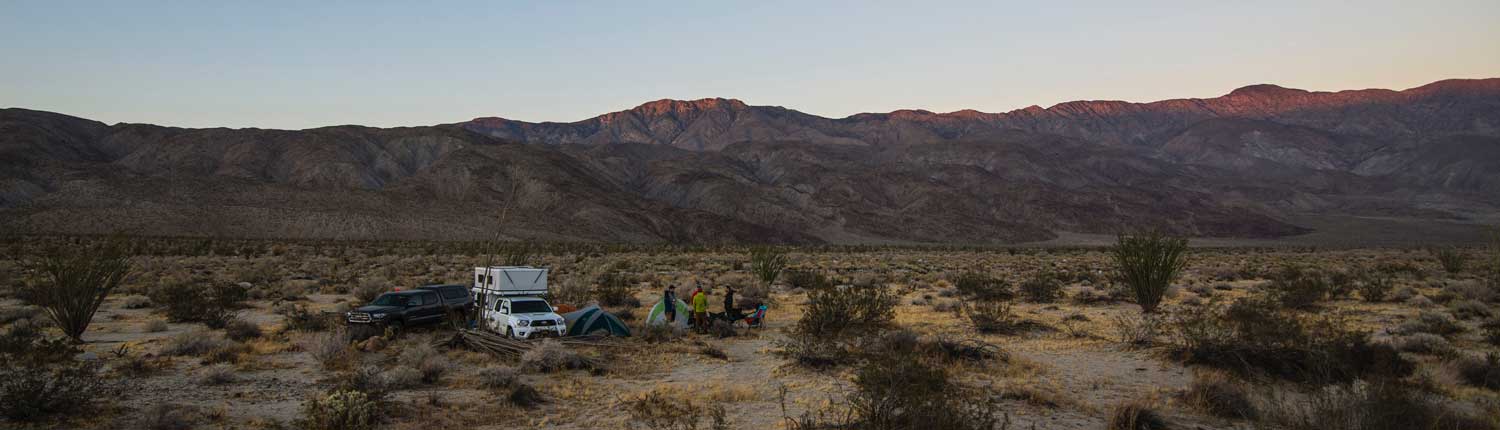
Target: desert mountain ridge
(1249, 164)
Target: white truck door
(502, 315)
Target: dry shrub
(34, 391)
(1298, 288)
(1423, 343)
(1220, 396)
(1044, 287)
(496, 378)
(981, 286)
(1374, 286)
(901, 390)
(767, 263)
(1138, 331)
(1467, 290)
(218, 374)
(370, 288)
(212, 303)
(298, 318)
(1469, 309)
(329, 349)
(807, 279)
(995, 318)
(137, 302)
(661, 410)
(1135, 416)
(1452, 259)
(1255, 336)
(242, 330)
(832, 321)
(552, 356)
(421, 355)
(616, 288)
(1381, 404)
(1430, 322)
(400, 377)
(194, 343)
(713, 352)
(1483, 372)
(658, 333)
(1491, 331)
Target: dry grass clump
(33, 391)
(1374, 286)
(1138, 331)
(155, 326)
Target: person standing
(729, 310)
(669, 300)
(700, 309)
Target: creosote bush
(1148, 264)
(903, 389)
(34, 391)
(212, 303)
(1298, 287)
(1044, 287)
(981, 286)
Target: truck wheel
(510, 333)
(395, 326)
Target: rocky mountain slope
(719, 170)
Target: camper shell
(510, 303)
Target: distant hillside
(718, 170)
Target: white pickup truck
(509, 302)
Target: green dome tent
(658, 314)
(591, 320)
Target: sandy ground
(1070, 376)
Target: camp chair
(756, 319)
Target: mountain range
(1249, 164)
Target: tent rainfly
(591, 320)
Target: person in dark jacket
(669, 298)
(729, 309)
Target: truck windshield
(391, 300)
(529, 307)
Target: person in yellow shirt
(700, 309)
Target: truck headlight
(523, 323)
(377, 316)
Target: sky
(273, 64)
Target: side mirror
(554, 309)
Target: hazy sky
(305, 64)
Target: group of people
(698, 303)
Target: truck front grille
(543, 323)
(359, 317)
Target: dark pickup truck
(401, 308)
(455, 297)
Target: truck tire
(510, 333)
(396, 325)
